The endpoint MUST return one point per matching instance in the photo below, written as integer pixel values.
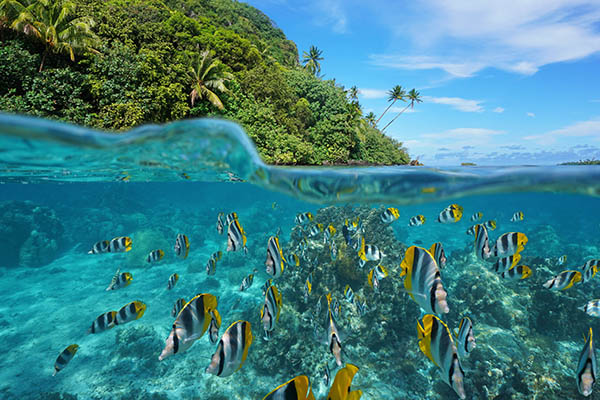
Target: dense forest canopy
(117, 64)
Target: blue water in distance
(63, 188)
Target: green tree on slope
(207, 77)
(311, 60)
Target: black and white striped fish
(275, 262)
(482, 245)
(390, 215)
(591, 308)
(103, 322)
(64, 358)
(191, 323)
(120, 244)
(329, 233)
(435, 341)
(314, 230)
(215, 325)
(130, 312)
(564, 280)
(308, 286)
(155, 256)
(518, 216)
(587, 371)
(247, 281)
(172, 281)
(179, 303)
(303, 218)
(220, 224)
(476, 216)
(269, 313)
(471, 230)
(517, 272)
(334, 341)
(505, 263)
(182, 246)
(232, 350)
(491, 224)
(422, 280)
(416, 220)
(375, 276)
(349, 294)
(589, 269)
(437, 251)
(465, 340)
(119, 280)
(369, 252)
(451, 214)
(100, 247)
(294, 389)
(230, 218)
(509, 243)
(236, 239)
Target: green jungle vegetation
(583, 162)
(116, 64)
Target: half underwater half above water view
(169, 262)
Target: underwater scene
(171, 263)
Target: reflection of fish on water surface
(369, 320)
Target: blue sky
(502, 84)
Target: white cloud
(498, 110)
(530, 114)
(457, 103)
(578, 129)
(330, 13)
(372, 93)
(463, 133)
(466, 36)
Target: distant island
(118, 64)
(582, 162)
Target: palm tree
(56, 25)
(397, 93)
(370, 118)
(206, 77)
(10, 10)
(414, 97)
(311, 60)
(353, 93)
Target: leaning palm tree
(414, 97)
(206, 77)
(56, 25)
(397, 93)
(353, 93)
(10, 10)
(311, 60)
(370, 118)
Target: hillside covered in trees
(116, 64)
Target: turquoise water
(62, 189)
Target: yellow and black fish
(120, 280)
(215, 325)
(232, 350)
(369, 252)
(416, 220)
(236, 239)
(294, 389)
(491, 224)
(182, 246)
(375, 276)
(464, 338)
(314, 230)
(100, 247)
(561, 260)
(390, 215)
(220, 223)
(517, 272)
(266, 286)
(65, 357)
(103, 322)
(303, 218)
(471, 230)
(482, 245)
(155, 256)
(505, 263)
(564, 280)
(587, 371)
(269, 313)
(341, 386)
(130, 312)
(349, 294)
(247, 281)
(509, 243)
(329, 233)
(477, 216)
(292, 259)
(191, 323)
(422, 280)
(120, 244)
(275, 262)
(335, 343)
(308, 286)
(172, 281)
(451, 214)
(518, 216)
(435, 341)
(177, 307)
(211, 264)
(232, 216)
(589, 270)
(437, 251)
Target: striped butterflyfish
(103, 322)
(130, 312)
(465, 340)
(564, 280)
(231, 217)
(172, 281)
(491, 224)
(179, 303)
(482, 245)
(64, 358)
(269, 313)
(215, 325)
(303, 218)
(517, 272)
(333, 250)
(341, 386)
(591, 308)
(120, 244)
(247, 282)
(275, 262)
(509, 243)
(376, 275)
(308, 286)
(435, 341)
(329, 233)
(155, 256)
(505, 263)
(476, 216)
(422, 280)
(369, 252)
(236, 239)
(182, 246)
(334, 341)
(416, 220)
(471, 230)
(349, 294)
(451, 214)
(232, 350)
(518, 216)
(314, 230)
(390, 215)
(191, 323)
(294, 389)
(100, 247)
(220, 224)
(586, 367)
(437, 251)
(589, 269)
(119, 280)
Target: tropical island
(118, 64)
